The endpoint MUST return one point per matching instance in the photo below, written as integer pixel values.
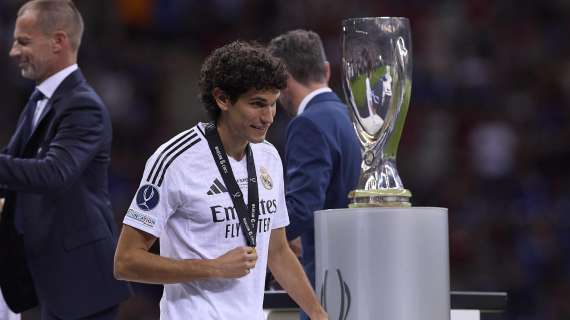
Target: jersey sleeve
(156, 198)
(281, 217)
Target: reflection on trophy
(377, 71)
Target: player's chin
(257, 135)
(257, 139)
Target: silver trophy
(377, 81)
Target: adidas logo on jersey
(216, 188)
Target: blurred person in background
(57, 234)
(5, 313)
(214, 195)
(322, 153)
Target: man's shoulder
(84, 92)
(266, 148)
(328, 97)
(184, 145)
(322, 107)
(327, 118)
(182, 141)
(75, 93)
(325, 106)
(323, 114)
(183, 151)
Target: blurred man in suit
(322, 154)
(5, 313)
(57, 234)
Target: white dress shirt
(310, 96)
(48, 87)
(5, 313)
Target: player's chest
(208, 199)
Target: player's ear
(221, 98)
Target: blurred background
(487, 134)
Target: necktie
(36, 96)
(28, 128)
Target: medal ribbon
(249, 216)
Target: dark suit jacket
(57, 182)
(322, 164)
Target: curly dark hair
(236, 68)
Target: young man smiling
(214, 195)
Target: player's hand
(236, 263)
(1, 205)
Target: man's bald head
(57, 15)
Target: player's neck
(234, 145)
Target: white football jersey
(183, 201)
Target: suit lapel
(71, 81)
(45, 111)
(17, 144)
(21, 135)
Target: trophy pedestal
(383, 263)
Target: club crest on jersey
(147, 197)
(266, 179)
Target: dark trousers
(107, 314)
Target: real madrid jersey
(183, 201)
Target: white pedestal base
(383, 263)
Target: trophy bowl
(377, 82)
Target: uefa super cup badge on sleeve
(377, 82)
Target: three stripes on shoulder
(169, 154)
